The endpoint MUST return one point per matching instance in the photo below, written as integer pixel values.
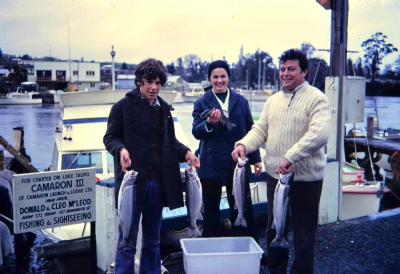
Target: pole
(338, 59)
(259, 74)
(113, 68)
(263, 83)
(69, 52)
(247, 79)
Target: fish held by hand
(224, 120)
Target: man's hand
(283, 168)
(258, 169)
(238, 152)
(192, 160)
(124, 159)
(214, 117)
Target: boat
(178, 99)
(359, 196)
(379, 146)
(192, 96)
(56, 95)
(21, 98)
(361, 199)
(257, 95)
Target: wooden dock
(388, 146)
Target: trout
(127, 205)
(239, 191)
(224, 120)
(194, 199)
(281, 206)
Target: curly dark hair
(150, 69)
(295, 54)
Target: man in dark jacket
(141, 136)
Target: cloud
(171, 29)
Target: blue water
(39, 123)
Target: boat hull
(20, 101)
(17, 98)
(360, 200)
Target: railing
(43, 78)
(61, 79)
(49, 79)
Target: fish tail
(240, 221)
(197, 233)
(280, 243)
(193, 233)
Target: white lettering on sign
(50, 199)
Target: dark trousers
(304, 200)
(212, 190)
(150, 259)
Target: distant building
(106, 73)
(126, 81)
(63, 75)
(176, 82)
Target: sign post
(51, 199)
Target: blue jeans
(150, 260)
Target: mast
(69, 51)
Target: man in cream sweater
(294, 125)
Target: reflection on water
(39, 122)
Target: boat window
(71, 161)
(35, 96)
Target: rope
(315, 76)
(354, 139)
(394, 194)
(370, 160)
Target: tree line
(250, 70)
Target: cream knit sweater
(297, 132)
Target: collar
(224, 106)
(296, 89)
(156, 102)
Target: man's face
(291, 75)
(149, 89)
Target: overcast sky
(170, 29)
